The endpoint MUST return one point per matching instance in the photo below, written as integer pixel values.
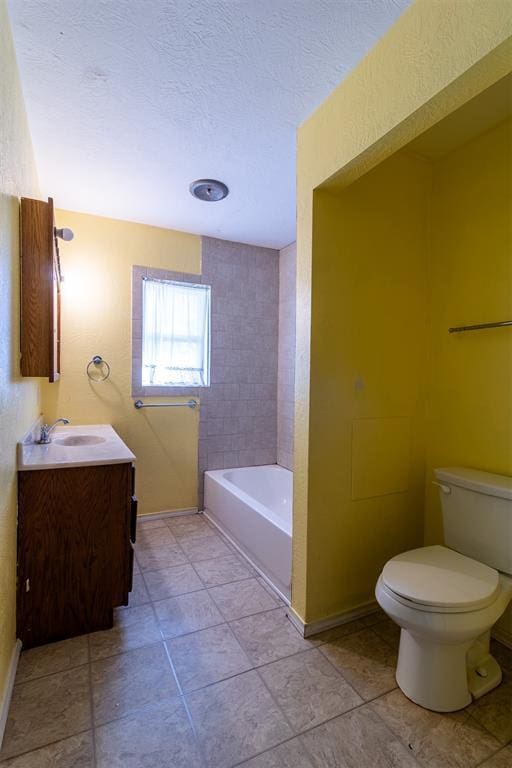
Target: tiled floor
(204, 669)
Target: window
(175, 334)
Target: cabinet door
(55, 302)
(67, 519)
(40, 291)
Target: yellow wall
(96, 319)
(470, 386)
(367, 381)
(437, 56)
(19, 398)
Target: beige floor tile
(242, 598)
(156, 737)
(388, 631)
(47, 709)
(308, 689)
(185, 525)
(494, 710)
(154, 538)
(139, 594)
(358, 739)
(272, 592)
(129, 681)
(156, 558)
(291, 754)
(269, 636)
(204, 547)
(502, 759)
(223, 570)
(336, 633)
(54, 657)
(453, 740)
(372, 618)
(236, 719)
(207, 657)
(75, 752)
(170, 582)
(133, 628)
(147, 524)
(187, 613)
(366, 662)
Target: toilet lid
(437, 576)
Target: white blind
(175, 334)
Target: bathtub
(252, 506)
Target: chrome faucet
(44, 437)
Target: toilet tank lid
(476, 480)
(438, 576)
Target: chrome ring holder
(98, 361)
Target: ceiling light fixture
(209, 190)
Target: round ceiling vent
(209, 190)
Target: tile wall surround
(238, 414)
(286, 355)
(238, 423)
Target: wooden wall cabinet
(75, 553)
(40, 290)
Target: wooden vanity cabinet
(75, 556)
(40, 290)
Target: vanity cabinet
(40, 290)
(75, 554)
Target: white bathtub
(252, 506)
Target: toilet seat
(438, 579)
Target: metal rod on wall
(480, 327)
(189, 404)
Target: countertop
(56, 455)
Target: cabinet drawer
(133, 519)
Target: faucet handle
(46, 429)
(44, 435)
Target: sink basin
(79, 440)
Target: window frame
(139, 274)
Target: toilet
(446, 598)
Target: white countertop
(56, 455)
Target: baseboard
(308, 629)
(9, 685)
(296, 620)
(502, 636)
(169, 513)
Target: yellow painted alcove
(373, 237)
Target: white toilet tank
(477, 515)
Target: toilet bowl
(446, 602)
(444, 660)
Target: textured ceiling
(130, 100)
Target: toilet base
(437, 675)
(433, 675)
(486, 676)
